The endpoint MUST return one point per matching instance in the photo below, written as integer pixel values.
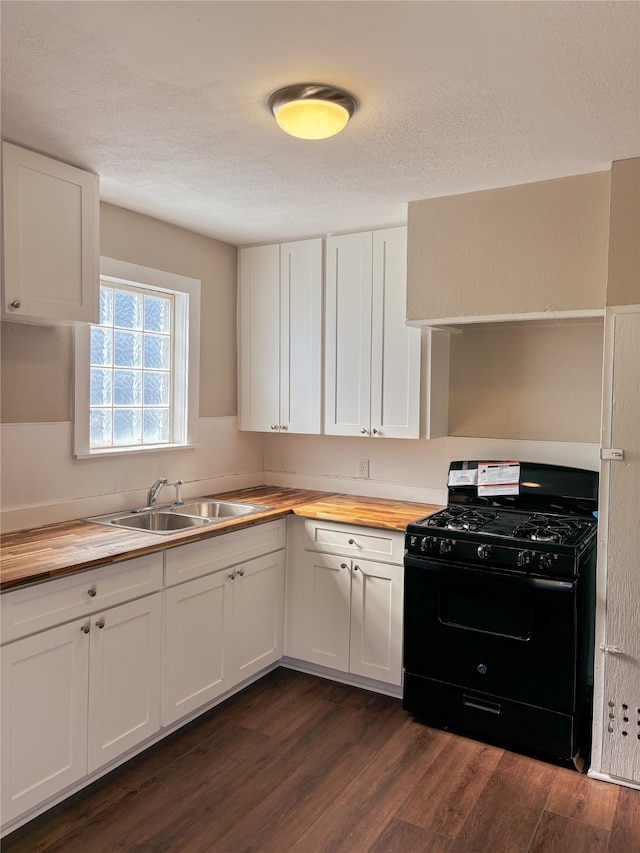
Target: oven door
(509, 635)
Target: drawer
(345, 539)
(201, 558)
(35, 608)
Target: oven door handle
(513, 578)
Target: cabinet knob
(232, 576)
(274, 426)
(284, 427)
(241, 572)
(363, 431)
(375, 432)
(356, 568)
(86, 627)
(91, 592)
(100, 622)
(16, 304)
(352, 541)
(344, 566)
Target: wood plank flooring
(297, 764)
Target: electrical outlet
(364, 469)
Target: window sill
(122, 451)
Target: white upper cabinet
(51, 240)
(280, 334)
(372, 379)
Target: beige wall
(536, 382)
(623, 286)
(538, 247)
(37, 360)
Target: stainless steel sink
(218, 510)
(173, 519)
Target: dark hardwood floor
(299, 764)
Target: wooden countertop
(41, 553)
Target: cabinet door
(301, 336)
(259, 328)
(395, 347)
(258, 614)
(44, 715)
(197, 644)
(51, 239)
(124, 678)
(327, 603)
(376, 621)
(348, 335)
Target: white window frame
(186, 370)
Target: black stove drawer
(510, 724)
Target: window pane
(128, 310)
(157, 314)
(156, 389)
(101, 345)
(127, 388)
(106, 306)
(100, 428)
(101, 387)
(127, 349)
(157, 352)
(156, 426)
(127, 426)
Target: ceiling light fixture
(312, 110)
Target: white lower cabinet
(76, 696)
(223, 627)
(345, 612)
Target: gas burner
(461, 519)
(541, 528)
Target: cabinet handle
(363, 431)
(232, 576)
(100, 622)
(91, 592)
(352, 541)
(86, 627)
(344, 566)
(241, 572)
(16, 304)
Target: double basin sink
(166, 520)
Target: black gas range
(499, 607)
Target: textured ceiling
(166, 101)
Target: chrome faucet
(154, 491)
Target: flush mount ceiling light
(312, 110)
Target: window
(137, 370)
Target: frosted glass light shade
(311, 110)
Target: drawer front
(35, 608)
(211, 555)
(364, 542)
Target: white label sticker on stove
(466, 477)
(498, 478)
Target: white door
(197, 644)
(124, 678)
(51, 239)
(258, 614)
(259, 334)
(395, 347)
(301, 336)
(376, 621)
(348, 335)
(44, 715)
(621, 492)
(327, 597)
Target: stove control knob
(446, 545)
(546, 560)
(484, 551)
(524, 558)
(424, 543)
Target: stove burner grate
(540, 528)
(457, 518)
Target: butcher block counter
(41, 553)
